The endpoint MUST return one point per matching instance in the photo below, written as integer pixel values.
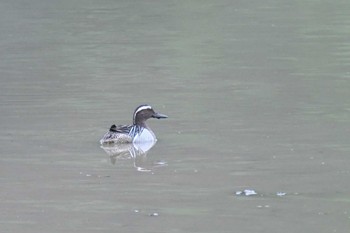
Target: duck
(138, 132)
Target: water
(257, 95)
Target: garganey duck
(138, 132)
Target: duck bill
(159, 115)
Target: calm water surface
(257, 95)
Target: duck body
(138, 132)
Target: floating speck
(141, 169)
(161, 163)
(246, 192)
(136, 211)
(154, 215)
(281, 194)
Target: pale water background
(257, 93)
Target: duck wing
(124, 129)
(117, 134)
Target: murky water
(257, 94)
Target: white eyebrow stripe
(142, 108)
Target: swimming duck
(138, 132)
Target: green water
(257, 94)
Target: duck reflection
(135, 151)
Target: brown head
(143, 112)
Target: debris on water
(246, 192)
(141, 169)
(161, 164)
(136, 211)
(281, 194)
(154, 214)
